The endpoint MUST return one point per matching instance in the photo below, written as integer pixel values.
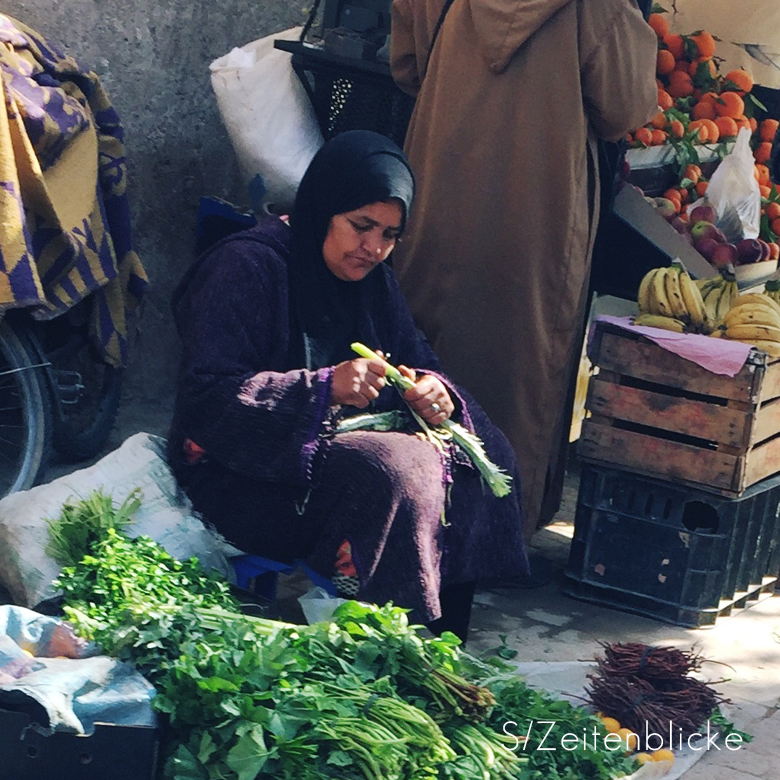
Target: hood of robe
(503, 26)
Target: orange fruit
(629, 739)
(762, 175)
(701, 188)
(659, 137)
(685, 195)
(772, 210)
(702, 133)
(659, 24)
(660, 84)
(675, 44)
(764, 190)
(775, 226)
(742, 121)
(674, 196)
(741, 79)
(610, 724)
(705, 44)
(659, 121)
(763, 152)
(753, 124)
(730, 104)
(629, 138)
(704, 110)
(692, 172)
(676, 129)
(643, 758)
(682, 65)
(662, 755)
(768, 130)
(680, 84)
(727, 126)
(774, 250)
(665, 101)
(664, 62)
(643, 136)
(713, 132)
(709, 97)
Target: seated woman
(266, 320)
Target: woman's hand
(429, 398)
(357, 382)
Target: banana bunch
(669, 299)
(719, 293)
(772, 290)
(754, 319)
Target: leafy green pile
(81, 524)
(363, 697)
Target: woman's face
(360, 240)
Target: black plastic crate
(110, 753)
(671, 552)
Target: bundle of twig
(650, 663)
(675, 712)
(650, 690)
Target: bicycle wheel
(85, 389)
(24, 412)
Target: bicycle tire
(25, 420)
(74, 442)
(84, 388)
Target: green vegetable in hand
(498, 481)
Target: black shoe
(541, 574)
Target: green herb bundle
(364, 697)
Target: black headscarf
(353, 169)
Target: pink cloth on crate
(717, 355)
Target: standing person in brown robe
(511, 98)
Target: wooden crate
(656, 413)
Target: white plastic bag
(165, 514)
(733, 192)
(269, 118)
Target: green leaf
(750, 97)
(248, 757)
(658, 9)
(339, 758)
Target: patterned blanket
(64, 215)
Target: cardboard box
(111, 753)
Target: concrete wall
(153, 57)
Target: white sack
(165, 515)
(269, 118)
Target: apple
(706, 230)
(749, 251)
(765, 250)
(680, 225)
(704, 214)
(665, 208)
(705, 247)
(723, 255)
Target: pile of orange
(697, 104)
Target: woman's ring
(435, 408)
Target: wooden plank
(670, 413)
(762, 462)
(654, 456)
(767, 422)
(649, 362)
(770, 387)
